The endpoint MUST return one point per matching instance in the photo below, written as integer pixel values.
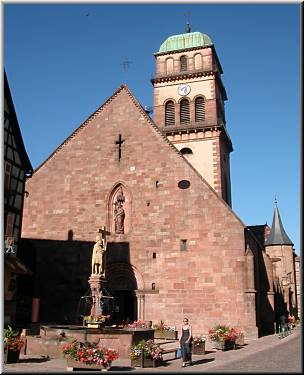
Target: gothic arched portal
(124, 280)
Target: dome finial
(188, 28)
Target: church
(162, 189)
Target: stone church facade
(162, 189)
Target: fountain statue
(97, 277)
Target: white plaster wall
(202, 157)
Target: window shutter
(169, 113)
(184, 111)
(183, 63)
(199, 109)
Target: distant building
(163, 190)
(17, 168)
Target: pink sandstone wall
(70, 192)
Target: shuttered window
(183, 63)
(184, 111)
(199, 109)
(169, 113)
(9, 230)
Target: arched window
(184, 111)
(169, 113)
(183, 63)
(169, 65)
(199, 109)
(186, 151)
(198, 61)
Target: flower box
(223, 345)
(166, 335)
(72, 364)
(199, 344)
(11, 356)
(88, 355)
(199, 349)
(145, 354)
(224, 337)
(240, 340)
(144, 362)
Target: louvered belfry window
(169, 113)
(199, 109)
(184, 111)
(183, 63)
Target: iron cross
(125, 64)
(119, 143)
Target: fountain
(93, 329)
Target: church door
(124, 307)
(122, 285)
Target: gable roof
(93, 115)
(153, 127)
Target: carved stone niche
(119, 210)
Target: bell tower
(189, 98)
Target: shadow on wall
(60, 277)
(61, 270)
(265, 316)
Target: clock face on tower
(184, 89)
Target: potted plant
(137, 324)
(163, 331)
(12, 345)
(223, 336)
(199, 343)
(95, 321)
(145, 354)
(88, 355)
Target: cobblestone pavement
(212, 361)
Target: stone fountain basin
(53, 337)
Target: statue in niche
(97, 257)
(119, 212)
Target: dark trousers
(284, 330)
(186, 352)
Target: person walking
(283, 326)
(185, 341)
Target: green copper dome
(183, 41)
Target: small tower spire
(277, 235)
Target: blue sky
(64, 60)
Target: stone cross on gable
(119, 143)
